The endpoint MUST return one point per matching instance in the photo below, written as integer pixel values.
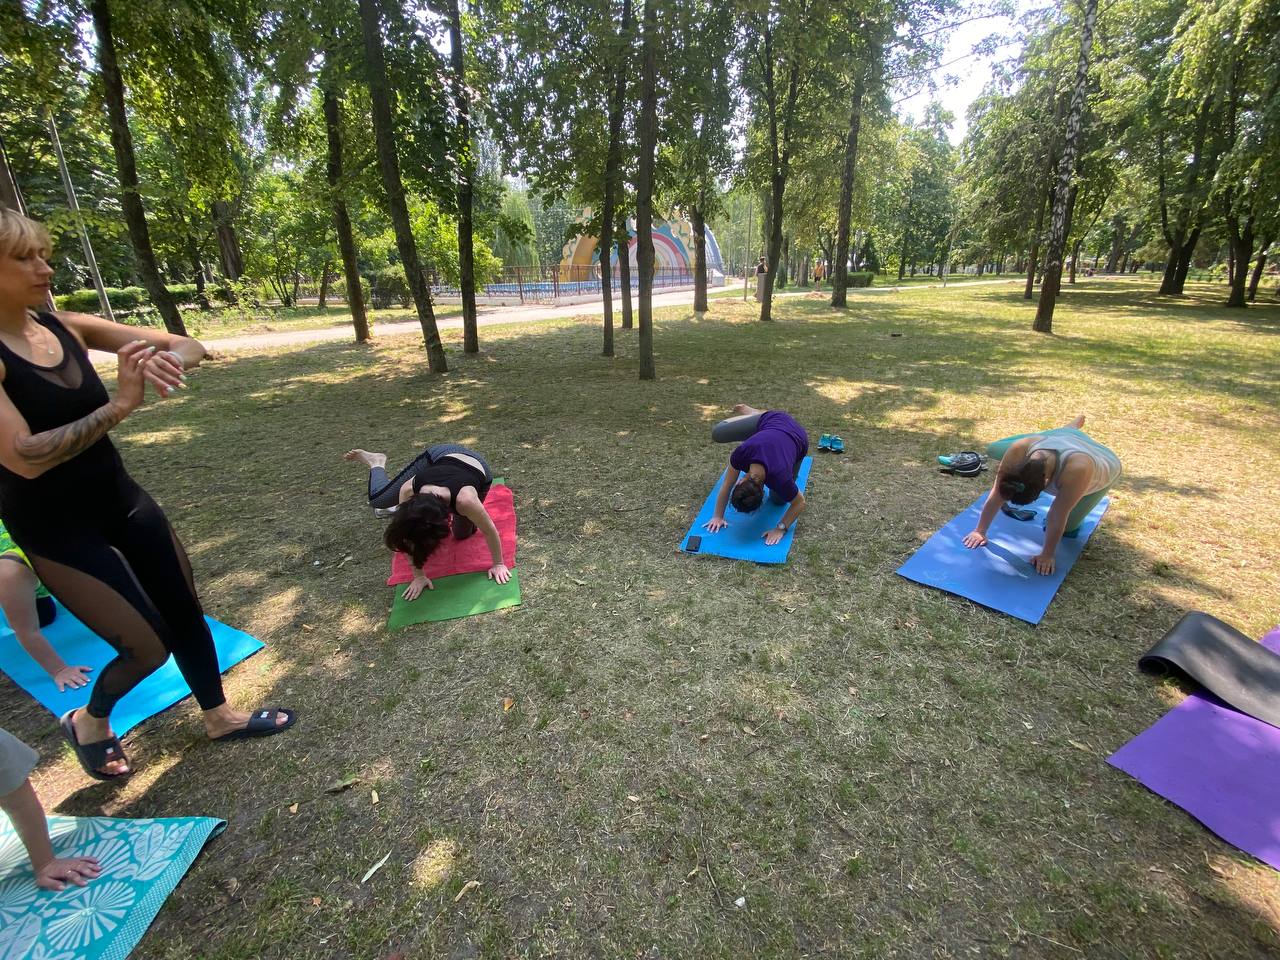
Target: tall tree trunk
(197, 270)
(1071, 212)
(1066, 169)
(784, 263)
(624, 273)
(1182, 263)
(698, 223)
(122, 146)
(780, 157)
(466, 178)
(1258, 268)
(840, 265)
(341, 220)
(612, 176)
(228, 243)
(1117, 238)
(648, 137)
(322, 299)
(1241, 240)
(389, 164)
(1033, 256)
(1075, 258)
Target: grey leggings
(386, 493)
(736, 428)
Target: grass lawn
(879, 769)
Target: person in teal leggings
(1065, 462)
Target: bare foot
(741, 409)
(222, 720)
(370, 460)
(1078, 422)
(90, 729)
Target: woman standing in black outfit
(95, 538)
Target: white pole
(85, 245)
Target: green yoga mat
(462, 595)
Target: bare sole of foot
(370, 460)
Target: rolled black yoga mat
(1220, 658)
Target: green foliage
(389, 287)
(86, 301)
(340, 288)
(861, 278)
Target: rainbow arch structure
(672, 248)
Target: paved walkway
(487, 317)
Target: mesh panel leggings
(119, 567)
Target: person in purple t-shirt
(773, 447)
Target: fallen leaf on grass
(1078, 745)
(691, 874)
(293, 808)
(705, 737)
(232, 885)
(633, 798)
(507, 703)
(376, 867)
(339, 785)
(466, 888)
(315, 901)
(373, 795)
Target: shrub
(390, 286)
(182, 293)
(339, 288)
(862, 278)
(79, 301)
(128, 298)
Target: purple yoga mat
(1221, 766)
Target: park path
(499, 315)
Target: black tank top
(453, 474)
(50, 397)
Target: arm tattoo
(52, 447)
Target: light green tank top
(1070, 442)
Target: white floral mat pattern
(142, 861)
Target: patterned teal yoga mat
(142, 861)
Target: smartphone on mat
(694, 544)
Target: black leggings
(117, 565)
(385, 492)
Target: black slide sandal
(93, 755)
(262, 723)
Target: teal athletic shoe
(837, 445)
(824, 442)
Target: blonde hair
(21, 236)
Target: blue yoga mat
(142, 861)
(76, 644)
(743, 538)
(1000, 575)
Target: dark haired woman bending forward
(1065, 461)
(446, 481)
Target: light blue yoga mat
(1000, 575)
(743, 539)
(76, 644)
(142, 861)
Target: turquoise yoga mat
(743, 539)
(78, 645)
(142, 861)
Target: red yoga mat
(472, 554)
